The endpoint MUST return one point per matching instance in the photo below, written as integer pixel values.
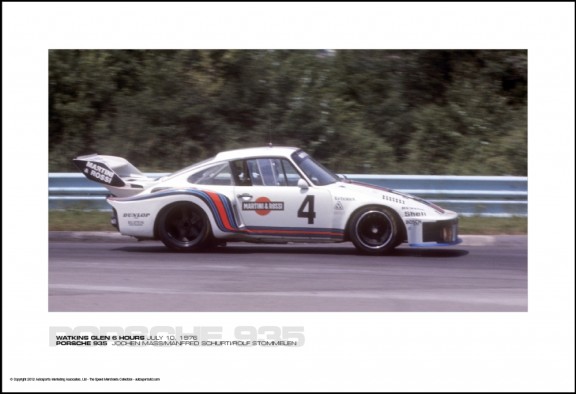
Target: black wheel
(183, 227)
(374, 230)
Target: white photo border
(531, 351)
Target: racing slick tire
(374, 230)
(183, 227)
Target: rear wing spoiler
(115, 173)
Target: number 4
(310, 214)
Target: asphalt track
(97, 273)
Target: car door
(273, 200)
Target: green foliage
(368, 111)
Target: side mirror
(302, 184)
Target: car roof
(284, 151)
(281, 151)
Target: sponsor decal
(414, 222)
(135, 223)
(136, 215)
(414, 214)
(393, 199)
(101, 173)
(339, 206)
(344, 198)
(263, 206)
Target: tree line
(443, 112)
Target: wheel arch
(200, 204)
(399, 222)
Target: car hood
(383, 194)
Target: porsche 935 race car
(266, 195)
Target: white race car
(266, 195)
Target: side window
(254, 172)
(279, 175)
(265, 172)
(241, 173)
(268, 171)
(218, 174)
(291, 176)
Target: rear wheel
(183, 227)
(374, 230)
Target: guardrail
(468, 195)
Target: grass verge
(75, 220)
(477, 225)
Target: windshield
(315, 171)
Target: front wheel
(183, 227)
(374, 230)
